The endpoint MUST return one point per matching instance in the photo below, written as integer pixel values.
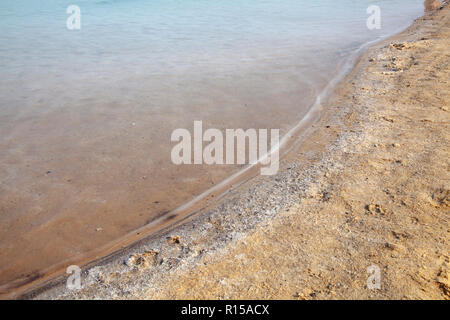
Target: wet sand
(367, 185)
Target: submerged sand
(368, 186)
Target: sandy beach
(366, 185)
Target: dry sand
(368, 185)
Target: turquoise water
(175, 46)
(250, 63)
(86, 115)
(168, 36)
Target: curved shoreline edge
(165, 257)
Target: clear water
(147, 50)
(86, 115)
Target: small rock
(174, 240)
(375, 208)
(144, 260)
(305, 294)
(398, 46)
(390, 246)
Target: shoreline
(214, 230)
